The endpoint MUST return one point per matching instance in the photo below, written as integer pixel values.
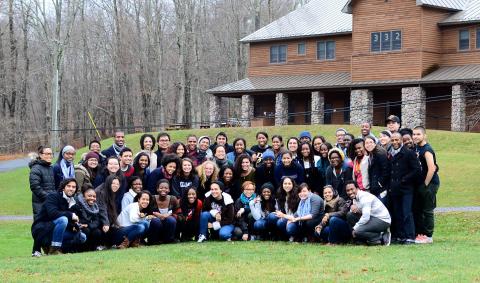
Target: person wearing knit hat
(87, 172)
(64, 167)
(263, 211)
(305, 136)
(265, 171)
(338, 172)
(218, 211)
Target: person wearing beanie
(218, 213)
(221, 139)
(203, 151)
(265, 172)
(64, 168)
(305, 136)
(263, 209)
(88, 172)
(338, 172)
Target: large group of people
(362, 190)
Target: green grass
(453, 257)
(457, 154)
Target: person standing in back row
(117, 146)
(426, 197)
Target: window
(464, 39)
(278, 54)
(301, 49)
(325, 50)
(478, 37)
(386, 41)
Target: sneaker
(409, 242)
(291, 239)
(425, 240)
(100, 248)
(37, 254)
(252, 238)
(201, 238)
(387, 237)
(229, 239)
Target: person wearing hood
(338, 172)
(220, 156)
(218, 213)
(169, 168)
(57, 221)
(64, 167)
(333, 228)
(88, 173)
(117, 146)
(41, 178)
(263, 209)
(204, 152)
(221, 139)
(243, 217)
(90, 221)
(309, 213)
(265, 172)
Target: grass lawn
(457, 154)
(453, 257)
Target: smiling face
(351, 191)
(70, 189)
(393, 126)
(292, 145)
(268, 162)
(347, 140)
(305, 150)
(419, 136)
(92, 163)
(287, 184)
(69, 155)
(220, 153)
(180, 151)
(115, 185)
(286, 159)
(143, 162)
(191, 196)
(261, 140)
(137, 185)
(324, 150)
(46, 155)
(239, 147)
(369, 144)
(171, 167)
(339, 135)
(221, 140)
(384, 139)
(327, 193)
(120, 138)
(192, 143)
(208, 168)
(163, 189)
(359, 150)
(335, 160)
(215, 191)
(365, 129)
(303, 193)
(408, 141)
(186, 166)
(143, 201)
(227, 175)
(95, 147)
(245, 164)
(204, 144)
(249, 190)
(148, 143)
(126, 158)
(276, 143)
(90, 196)
(113, 166)
(396, 140)
(163, 142)
(267, 194)
(317, 143)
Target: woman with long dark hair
(263, 209)
(179, 149)
(240, 147)
(185, 178)
(310, 170)
(378, 170)
(287, 204)
(188, 222)
(360, 159)
(141, 166)
(108, 206)
(244, 171)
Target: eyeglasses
(47, 153)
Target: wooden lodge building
(350, 61)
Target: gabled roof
(471, 14)
(454, 74)
(453, 5)
(317, 18)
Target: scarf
(221, 162)
(394, 152)
(201, 154)
(246, 201)
(304, 207)
(68, 170)
(166, 175)
(330, 206)
(91, 209)
(117, 148)
(71, 200)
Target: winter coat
(264, 175)
(180, 185)
(87, 214)
(294, 171)
(379, 173)
(55, 206)
(224, 206)
(338, 182)
(336, 208)
(152, 179)
(405, 172)
(42, 182)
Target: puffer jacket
(42, 182)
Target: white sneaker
(37, 254)
(252, 238)
(201, 238)
(291, 239)
(100, 248)
(387, 237)
(424, 240)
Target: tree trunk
(13, 62)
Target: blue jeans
(162, 230)
(403, 216)
(132, 232)
(338, 231)
(292, 229)
(60, 234)
(282, 226)
(225, 231)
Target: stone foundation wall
(361, 106)
(281, 109)
(318, 108)
(413, 107)
(247, 110)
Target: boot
(55, 251)
(135, 243)
(124, 244)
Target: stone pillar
(281, 109)
(459, 116)
(318, 106)
(361, 106)
(247, 110)
(414, 108)
(215, 111)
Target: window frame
(304, 49)
(381, 48)
(460, 39)
(326, 42)
(278, 47)
(477, 35)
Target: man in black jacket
(405, 171)
(56, 210)
(117, 146)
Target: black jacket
(263, 175)
(405, 172)
(88, 215)
(379, 173)
(243, 222)
(338, 182)
(42, 182)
